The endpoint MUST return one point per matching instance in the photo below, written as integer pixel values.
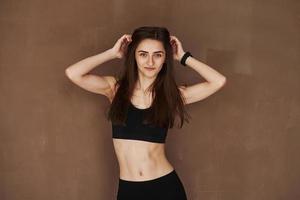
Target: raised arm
(78, 72)
(199, 91)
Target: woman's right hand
(121, 45)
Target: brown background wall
(241, 144)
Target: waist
(148, 170)
(140, 160)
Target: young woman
(144, 103)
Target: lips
(150, 68)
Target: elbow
(222, 82)
(70, 74)
(67, 73)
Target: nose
(150, 61)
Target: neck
(143, 83)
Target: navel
(140, 173)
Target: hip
(167, 187)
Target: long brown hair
(167, 98)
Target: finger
(127, 38)
(171, 38)
(124, 36)
(130, 37)
(121, 39)
(176, 39)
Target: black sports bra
(135, 130)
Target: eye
(142, 54)
(158, 55)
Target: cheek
(138, 60)
(140, 63)
(162, 61)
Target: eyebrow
(153, 52)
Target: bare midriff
(141, 160)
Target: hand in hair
(120, 46)
(178, 51)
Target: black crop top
(135, 130)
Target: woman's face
(150, 56)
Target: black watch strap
(184, 57)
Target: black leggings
(166, 187)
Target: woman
(144, 102)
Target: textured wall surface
(241, 144)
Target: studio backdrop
(242, 143)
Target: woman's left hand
(177, 48)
